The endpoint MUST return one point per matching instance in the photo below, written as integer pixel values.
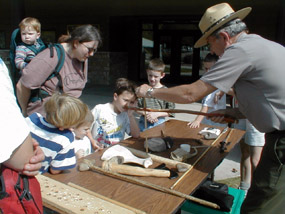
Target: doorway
(176, 49)
(174, 44)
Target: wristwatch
(149, 92)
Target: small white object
(128, 156)
(185, 147)
(210, 133)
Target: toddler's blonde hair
(30, 22)
(64, 111)
(89, 119)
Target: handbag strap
(24, 193)
(3, 193)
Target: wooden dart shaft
(227, 118)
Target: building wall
(57, 14)
(119, 23)
(105, 67)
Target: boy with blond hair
(155, 72)
(54, 133)
(30, 29)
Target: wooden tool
(225, 143)
(227, 118)
(159, 159)
(212, 144)
(92, 167)
(145, 125)
(115, 165)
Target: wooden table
(146, 199)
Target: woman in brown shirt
(78, 47)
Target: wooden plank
(105, 198)
(68, 199)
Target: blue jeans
(149, 124)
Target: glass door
(176, 49)
(174, 44)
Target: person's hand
(35, 163)
(80, 154)
(194, 124)
(152, 116)
(97, 146)
(218, 96)
(141, 90)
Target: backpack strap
(61, 58)
(40, 94)
(15, 37)
(33, 47)
(22, 189)
(3, 193)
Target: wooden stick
(106, 198)
(145, 125)
(150, 185)
(157, 158)
(134, 170)
(229, 135)
(197, 160)
(227, 118)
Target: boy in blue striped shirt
(54, 133)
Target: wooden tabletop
(150, 200)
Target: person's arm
(153, 116)
(134, 128)
(26, 158)
(23, 96)
(19, 151)
(20, 56)
(35, 163)
(196, 123)
(180, 94)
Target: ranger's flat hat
(215, 17)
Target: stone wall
(105, 67)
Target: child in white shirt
(111, 120)
(208, 102)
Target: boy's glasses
(90, 50)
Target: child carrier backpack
(16, 41)
(36, 94)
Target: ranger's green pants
(267, 192)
